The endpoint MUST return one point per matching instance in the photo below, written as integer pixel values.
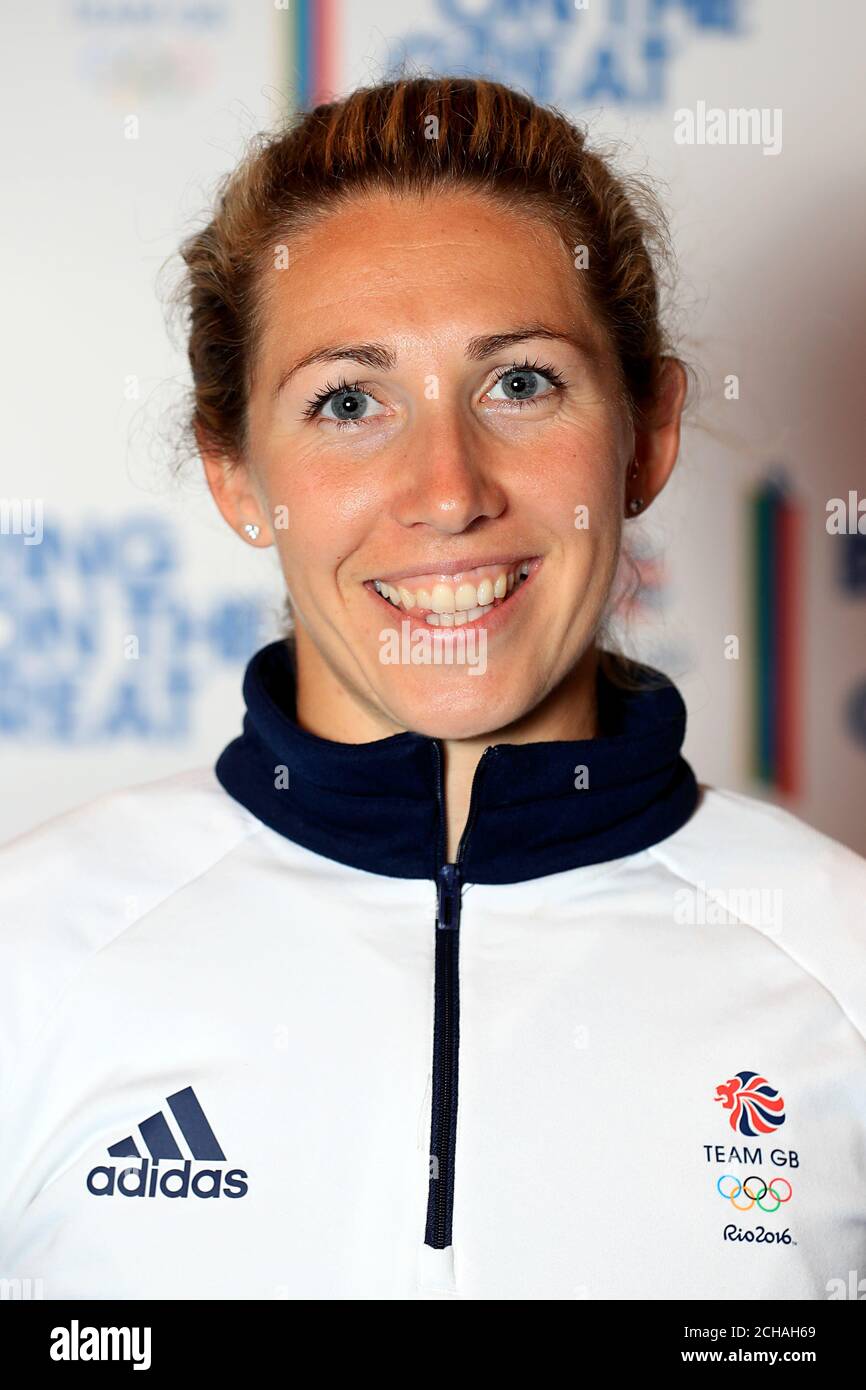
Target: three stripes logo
(148, 1180)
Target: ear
(232, 488)
(657, 441)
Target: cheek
(330, 512)
(578, 490)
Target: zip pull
(448, 915)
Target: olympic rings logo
(755, 1198)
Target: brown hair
(415, 134)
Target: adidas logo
(159, 1139)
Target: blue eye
(520, 381)
(348, 400)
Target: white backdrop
(771, 289)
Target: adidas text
(106, 1180)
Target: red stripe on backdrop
(324, 49)
(789, 729)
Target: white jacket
(260, 1041)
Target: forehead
(430, 266)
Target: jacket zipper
(446, 1018)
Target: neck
(380, 805)
(326, 707)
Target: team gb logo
(756, 1107)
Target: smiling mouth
(444, 603)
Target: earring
(252, 530)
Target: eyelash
(321, 398)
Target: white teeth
(446, 606)
(447, 619)
(465, 598)
(444, 598)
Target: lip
(491, 622)
(450, 569)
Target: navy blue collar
(379, 806)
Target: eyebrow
(384, 359)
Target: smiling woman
(442, 950)
(423, 324)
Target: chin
(454, 704)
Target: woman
(450, 978)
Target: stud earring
(252, 530)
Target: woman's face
(483, 428)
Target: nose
(445, 480)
